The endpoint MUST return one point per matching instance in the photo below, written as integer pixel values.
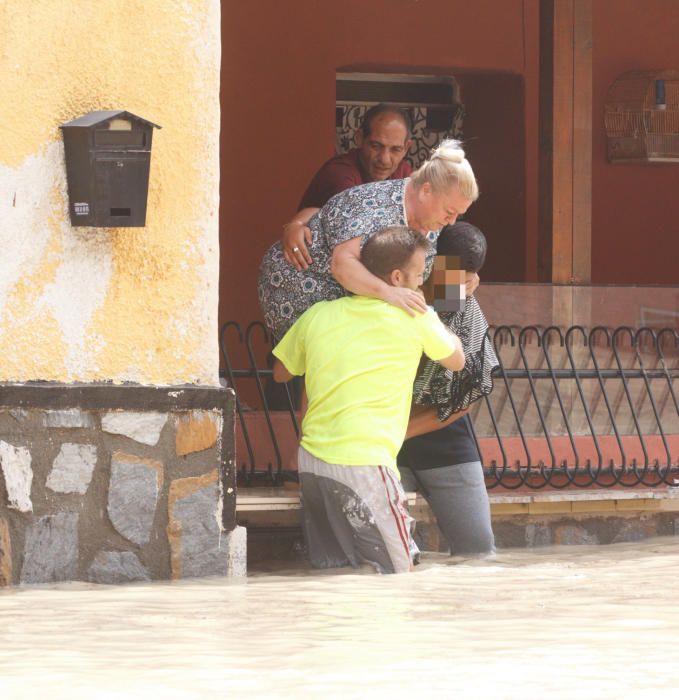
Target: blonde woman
(434, 196)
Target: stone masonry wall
(115, 484)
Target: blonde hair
(446, 167)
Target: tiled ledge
(539, 503)
(595, 501)
(568, 517)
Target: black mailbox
(108, 157)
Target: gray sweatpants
(457, 495)
(354, 515)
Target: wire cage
(642, 117)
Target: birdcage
(642, 117)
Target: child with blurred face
(461, 251)
(440, 458)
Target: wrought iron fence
(571, 407)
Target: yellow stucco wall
(87, 304)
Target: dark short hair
(465, 241)
(391, 249)
(383, 108)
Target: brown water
(561, 622)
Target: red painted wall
(635, 208)
(494, 132)
(278, 100)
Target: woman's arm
(346, 267)
(296, 234)
(425, 420)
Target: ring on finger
(295, 249)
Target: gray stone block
(117, 567)
(72, 468)
(538, 535)
(68, 418)
(16, 469)
(19, 414)
(144, 427)
(203, 549)
(634, 531)
(51, 549)
(6, 569)
(574, 534)
(236, 544)
(133, 496)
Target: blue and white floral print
(285, 294)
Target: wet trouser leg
(457, 495)
(354, 514)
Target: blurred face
(411, 275)
(448, 283)
(383, 150)
(433, 211)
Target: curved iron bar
(666, 372)
(293, 476)
(491, 412)
(491, 471)
(498, 332)
(545, 473)
(498, 340)
(614, 345)
(496, 428)
(659, 472)
(267, 413)
(617, 479)
(593, 476)
(531, 476)
(494, 469)
(232, 384)
(545, 344)
(508, 330)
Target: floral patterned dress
(360, 212)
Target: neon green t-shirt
(360, 356)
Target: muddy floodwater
(559, 622)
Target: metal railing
(571, 407)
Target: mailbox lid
(91, 119)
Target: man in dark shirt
(383, 141)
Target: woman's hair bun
(450, 150)
(447, 166)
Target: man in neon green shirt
(359, 356)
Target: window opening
(433, 102)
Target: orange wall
(635, 208)
(279, 61)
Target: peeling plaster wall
(84, 304)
